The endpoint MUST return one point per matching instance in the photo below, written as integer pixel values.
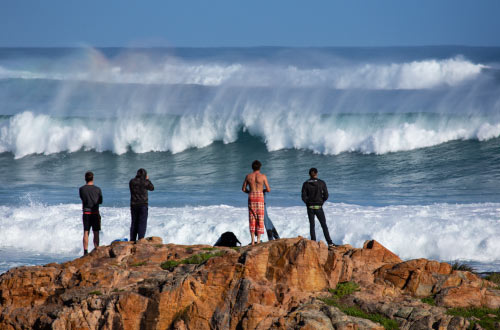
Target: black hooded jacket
(139, 187)
(314, 192)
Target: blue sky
(249, 23)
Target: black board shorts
(92, 221)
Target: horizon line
(250, 46)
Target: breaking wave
(423, 74)
(28, 133)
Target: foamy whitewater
(407, 139)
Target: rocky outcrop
(274, 285)
(451, 288)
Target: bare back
(256, 181)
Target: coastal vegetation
(194, 259)
(487, 318)
(463, 267)
(493, 277)
(429, 300)
(344, 289)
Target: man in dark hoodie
(91, 197)
(314, 194)
(139, 187)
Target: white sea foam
(28, 133)
(439, 231)
(422, 74)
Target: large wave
(29, 133)
(144, 102)
(423, 74)
(439, 231)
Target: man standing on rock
(91, 197)
(139, 187)
(314, 195)
(256, 181)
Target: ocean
(406, 138)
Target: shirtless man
(257, 182)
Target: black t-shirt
(91, 197)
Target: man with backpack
(314, 195)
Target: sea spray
(407, 75)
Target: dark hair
(141, 173)
(313, 171)
(89, 176)
(256, 165)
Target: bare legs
(252, 235)
(96, 239)
(86, 239)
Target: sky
(235, 23)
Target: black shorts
(92, 221)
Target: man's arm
(325, 192)
(100, 197)
(245, 184)
(304, 193)
(149, 185)
(266, 184)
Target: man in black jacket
(314, 194)
(139, 187)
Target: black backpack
(227, 239)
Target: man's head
(141, 173)
(313, 172)
(89, 177)
(256, 165)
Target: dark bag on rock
(227, 239)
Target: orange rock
(451, 281)
(271, 285)
(491, 299)
(131, 307)
(462, 296)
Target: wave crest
(425, 74)
(27, 133)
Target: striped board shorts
(256, 212)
